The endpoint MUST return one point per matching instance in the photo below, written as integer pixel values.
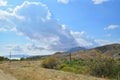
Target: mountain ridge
(112, 50)
(75, 49)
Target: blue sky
(40, 27)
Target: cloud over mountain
(34, 20)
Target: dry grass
(31, 70)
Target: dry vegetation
(31, 70)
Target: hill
(112, 50)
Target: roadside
(4, 76)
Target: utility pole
(10, 56)
(70, 56)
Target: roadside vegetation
(103, 67)
(3, 58)
(31, 70)
(98, 66)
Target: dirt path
(4, 76)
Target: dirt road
(4, 76)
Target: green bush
(22, 59)
(68, 69)
(3, 58)
(100, 66)
(103, 66)
(76, 66)
(61, 66)
(116, 71)
(51, 62)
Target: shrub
(22, 59)
(61, 66)
(76, 66)
(117, 71)
(102, 66)
(68, 69)
(51, 62)
(3, 58)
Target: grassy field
(31, 70)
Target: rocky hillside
(112, 50)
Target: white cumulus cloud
(33, 47)
(24, 48)
(3, 2)
(82, 39)
(99, 1)
(102, 42)
(2, 29)
(111, 27)
(33, 20)
(63, 1)
(39, 25)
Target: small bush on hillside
(117, 70)
(68, 69)
(51, 62)
(103, 66)
(76, 66)
(61, 66)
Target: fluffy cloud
(17, 49)
(14, 48)
(6, 24)
(77, 33)
(3, 3)
(99, 1)
(82, 39)
(33, 19)
(102, 42)
(2, 29)
(26, 48)
(84, 43)
(33, 47)
(63, 1)
(111, 27)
